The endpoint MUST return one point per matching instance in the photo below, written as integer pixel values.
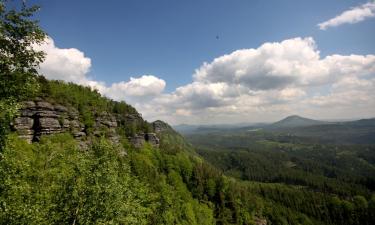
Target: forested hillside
(329, 182)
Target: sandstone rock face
(139, 140)
(106, 124)
(152, 139)
(43, 118)
(40, 117)
(160, 126)
(24, 125)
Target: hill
(351, 132)
(75, 157)
(91, 160)
(295, 121)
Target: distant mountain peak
(295, 117)
(296, 121)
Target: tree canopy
(18, 60)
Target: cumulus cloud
(144, 86)
(68, 64)
(259, 84)
(271, 81)
(71, 65)
(278, 65)
(351, 16)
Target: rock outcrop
(160, 126)
(106, 125)
(40, 117)
(138, 140)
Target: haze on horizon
(218, 62)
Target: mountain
(97, 161)
(351, 132)
(295, 121)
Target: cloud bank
(351, 16)
(248, 85)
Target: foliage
(53, 182)
(91, 104)
(18, 60)
(318, 184)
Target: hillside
(351, 132)
(294, 121)
(75, 157)
(98, 161)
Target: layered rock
(139, 140)
(160, 126)
(106, 124)
(152, 139)
(40, 117)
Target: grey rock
(160, 126)
(66, 124)
(137, 141)
(50, 114)
(44, 105)
(79, 134)
(47, 125)
(152, 139)
(40, 117)
(23, 123)
(28, 112)
(29, 104)
(60, 108)
(140, 139)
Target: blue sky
(170, 39)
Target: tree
(18, 60)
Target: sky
(217, 61)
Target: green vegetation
(18, 61)
(53, 182)
(90, 104)
(326, 183)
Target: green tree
(18, 60)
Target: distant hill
(185, 128)
(189, 129)
(295, 121)
(351, 132)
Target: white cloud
(292, 62)
(145, 86)
(72, 65)
(262, 84)
(269, 82)
(354, 15)
(68, 64)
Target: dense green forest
(329, 182)
(233, 180)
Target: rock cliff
(41, 117)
